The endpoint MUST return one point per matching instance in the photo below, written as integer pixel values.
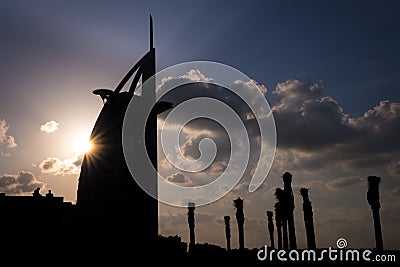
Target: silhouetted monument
(373, 200)
(238, 203)
(109, 200)
(281, 208)
(192, 240)
(287, 188)
(49, 194)
(308, 219)
(36, 192)
(278, 223)
(270, 214)
(227, 232)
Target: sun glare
(82, 145)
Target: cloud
(316, 132)
(192, 75)
(307, 120)
(196, 76)
(178, 178)
(394, 168)
(5, 154)
(313, 129)
(21, 183)
(181, 218)
(201, 128)
(6, 139)
(325, 149)
(49, 127)
(292, 93)
(57, 166)
(343, 182)
(396, 192)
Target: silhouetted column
(287, 188)
(308, 219)
(192, 241)
(228, 232)
(281, 207)
(373, 200)
(270, 214)
(278, 223)
(240, 220)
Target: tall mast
(151, 32)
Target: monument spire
(151, 33)
(109, 199)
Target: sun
(82, 144)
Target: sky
(330, 71)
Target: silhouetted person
(238, 203)
(308, 219)
(287, 188)
(278, 223)
(192, 242)
(281, 207)
(49, 194)
(227, 232)
(373, 200)
(36, 192)
(270, 214)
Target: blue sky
(54, 53)
(351, 46)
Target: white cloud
(22, 183)
(57, 166)
(192, 75)
(49, 127)
(196, 76)
(6, 139)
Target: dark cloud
(204, 217)
(198, 129)
(190, 147)
(394, 168)
(178, 178)
(7, 180)
(307, 120)
(78, 160)
(318, 132)
(343, 182)
(21, 183)
(316, 140)
(314, 132)
(396, 192)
